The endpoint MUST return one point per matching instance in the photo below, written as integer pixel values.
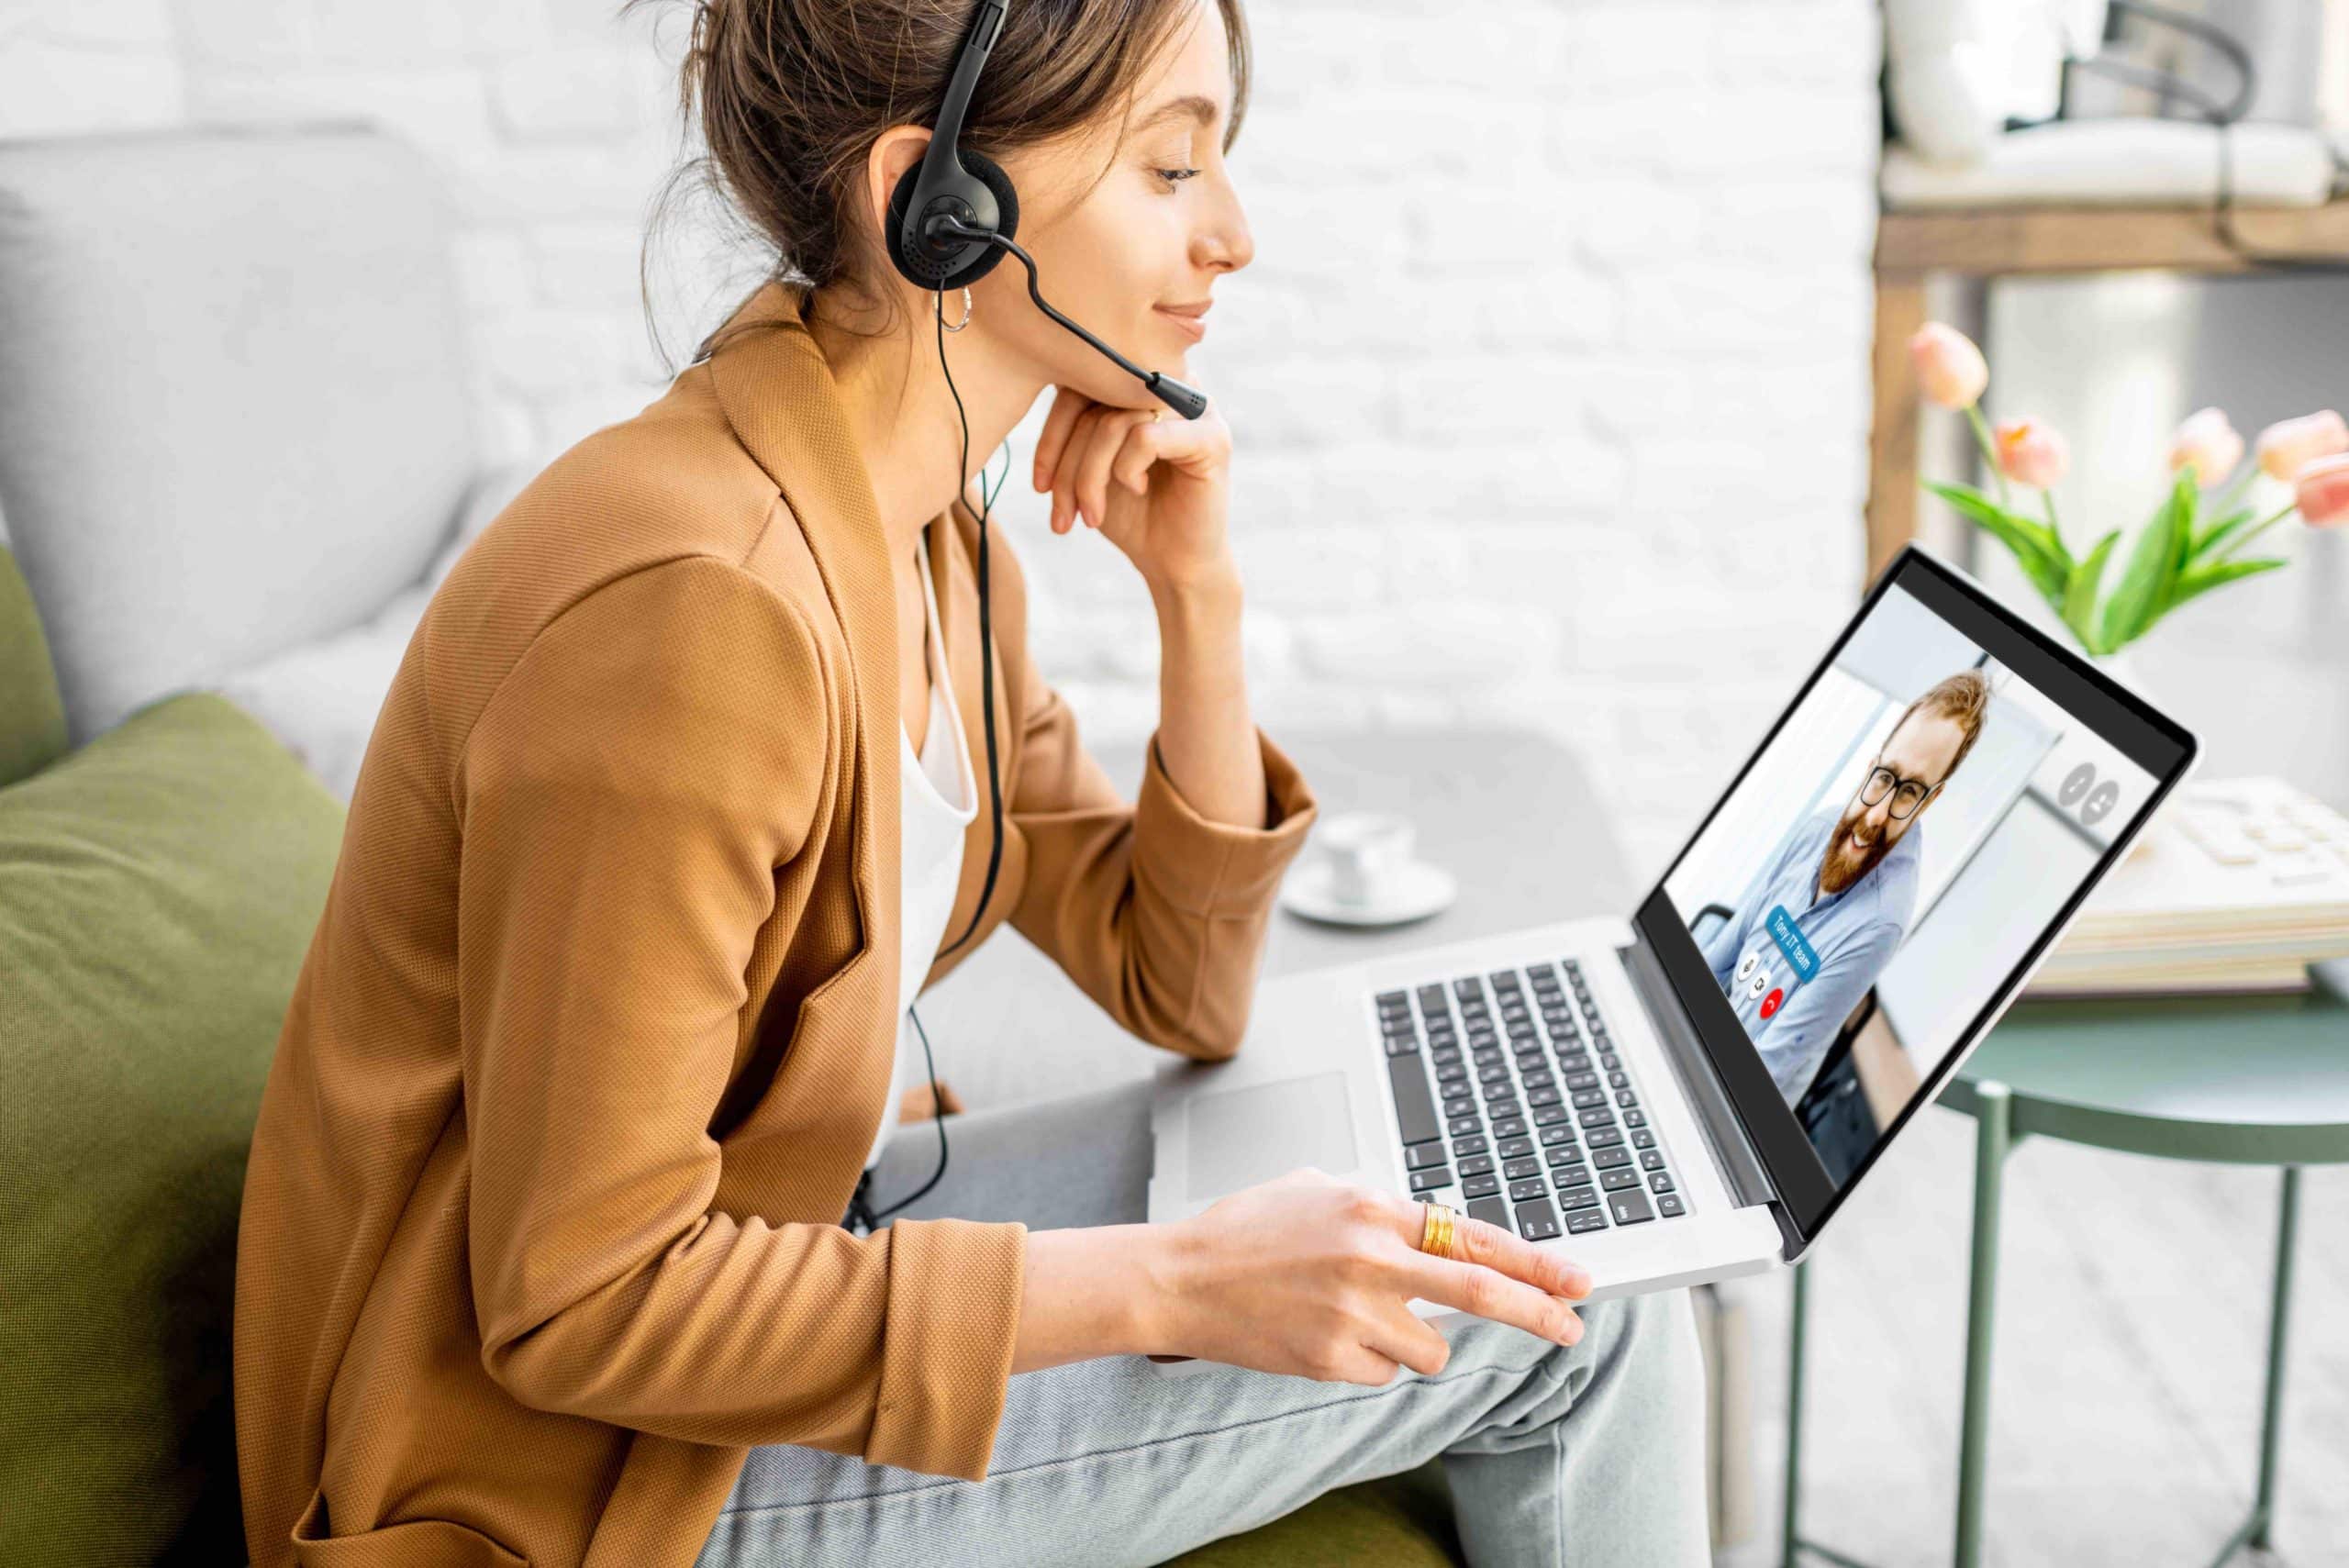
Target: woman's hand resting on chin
(1156, 487)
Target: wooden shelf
(2015, 241)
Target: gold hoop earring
(941, 308)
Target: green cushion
(32, 719)
(158, 892)
(1397, 1521)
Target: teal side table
(2248, 1081)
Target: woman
(542, 1257)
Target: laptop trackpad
(1240, 1136)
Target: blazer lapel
(778, 393)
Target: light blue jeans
(1591, 1454)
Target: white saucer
(1413, 893)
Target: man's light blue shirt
(1843, 940)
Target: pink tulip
(2289, 445)
(2204, 440)
(2031, 454)
(1949, 368)
(2321, 492)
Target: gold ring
(1435, 1227)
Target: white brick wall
(1573, 435)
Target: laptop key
(1661, 1182)
(1461, 1125)
(1581, 1196)
(1605, 1136)
(1541, 1097)
(1557, 1135)
(1537, 1221)
(1430, 1179)
(1670, 1205)
(1476, 1165)
(1565, 1157)
(1532, 1186)
(1616, 1181)
(1643, 1139)
(1597, 1116)
(1491, 1210)
(1635, 1117)
(1629, 1208)
(1419, 1156)
(1513, 1147)
(1473, 1145)
(1651, 1159)
(1523, 1166)
(1625, 1098)
(1607, 1159)
(1510, 1127)
(1587, 1220)
(1569, 1173)
(1414, 1106)
(1582, 1082)
(1551, 1116)
(1480, 1186)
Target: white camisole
(937, 800)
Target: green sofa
(158, 888)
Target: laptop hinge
(1732, 1151)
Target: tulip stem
(2053, 525)
(2256, 529)
(1990, 452)
(2226, 503)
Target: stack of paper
(2238, 886)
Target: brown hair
(791, 95)
(1964, 698)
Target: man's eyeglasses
(1907, 793)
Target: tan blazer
(540, 1226)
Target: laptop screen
(1909, 837)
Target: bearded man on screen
(1827, 909)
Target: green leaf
(2202, 579)
(2152, 565)
(2079, 597)
(2218, 533)
(2033, 544)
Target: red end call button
(1770, 1002)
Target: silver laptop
(1690, 1090)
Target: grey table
(1509, 813)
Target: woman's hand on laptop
(1312, 1277)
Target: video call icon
(2080, 789)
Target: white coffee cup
(1363, 850)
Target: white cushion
(233, 411)
(2117, 162)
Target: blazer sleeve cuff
(1212, 868)
(953, 1322)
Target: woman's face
(1133, 256)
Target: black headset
(951, 218)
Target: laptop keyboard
(1508, 1086)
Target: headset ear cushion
(1006, 200)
